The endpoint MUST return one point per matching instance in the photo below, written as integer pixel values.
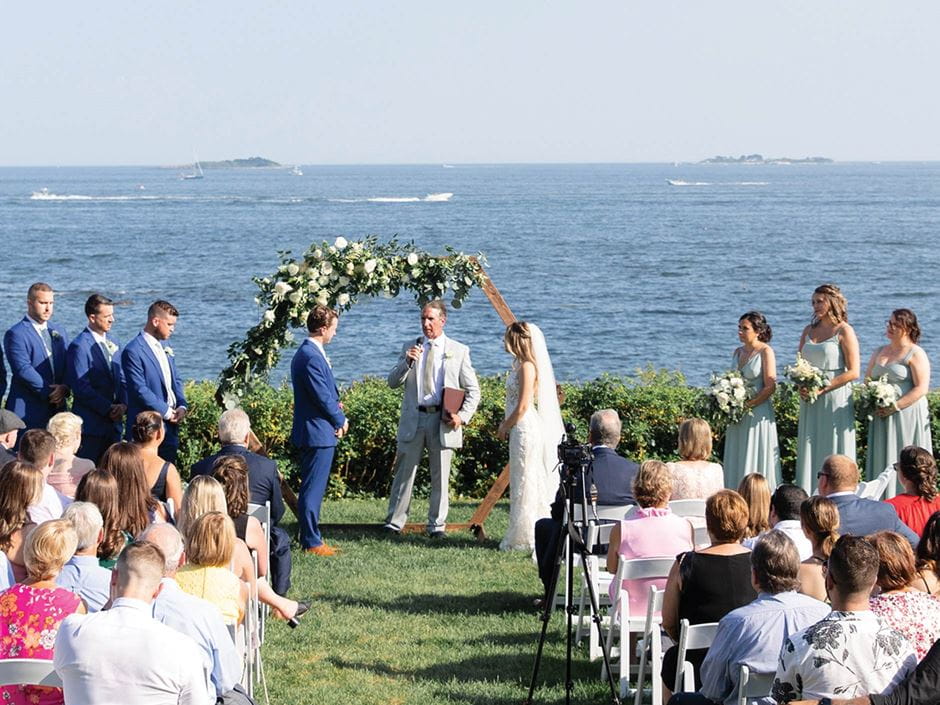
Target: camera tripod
(574, 541)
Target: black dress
(712, 586)
(159, 486)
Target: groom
(426, 367)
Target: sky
(358, 82)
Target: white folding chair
(753, 686)
(691, 636)
(29, 671)
(262, 512)
(688, 507)
(170, 509)
(701, 537)
(650, 642)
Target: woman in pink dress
(651, 531)
(30, 612)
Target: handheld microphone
(411, 363)
(594, 500)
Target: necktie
(427, 379)
(107, 355)
(47, 342)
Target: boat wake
(680, 182)
(430, 198)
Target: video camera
(572, 455)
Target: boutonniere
(168, 350)
(448, 355)
(112, 348)
(54, 333)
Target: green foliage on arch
(337, 275)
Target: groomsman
(151, 379)
(36, 350)
(319, 422)
(93, 372)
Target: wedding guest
(37, 447)
(705, 584)
(32, 610)
(819, 518)
(695, 477)
(827, 425)
(150, 374)
(917, 473)
(903, 363)
(82, 574)
(20, 487)
(928, 556)
(785, 517)
(68, 468)
(10, 426)
(138, 507)
(751, 443)
(35, 349)
(756, 493)
(264, 484)
(650, 531)
(900, 605)
(163, 478)
(231, 471)
(100, 488)
(94, 373)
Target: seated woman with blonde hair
(695, 476)
(756, 492)
(30, 612)
(68, 469)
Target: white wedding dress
(533, 444)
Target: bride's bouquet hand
(502, 433)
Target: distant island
(250, 162)
(759, 159)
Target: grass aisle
(410, 620)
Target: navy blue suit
(264, 485)
(97, 383)
(861, 517)
(613, 476)
(146, 390)
(32, 374)
(3, 376)
(317, 417)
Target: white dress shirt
(432, 397)
(793, 529)
(164, 363)
(123, 655)
(320, 347)
(50, 506)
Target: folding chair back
(753, 686)
(688, 507)
(651, 652)
(28, 671)
(691, 636)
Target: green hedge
(650, 404)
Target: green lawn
(401, 620)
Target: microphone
(411, 363)
(594, 500)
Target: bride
(534, 429)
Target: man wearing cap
(10, 426)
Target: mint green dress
(827, 425)
(751, 444)
(908, 427)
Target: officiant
(441, 394)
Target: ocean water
(620, 268)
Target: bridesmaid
(905, 364)
(751, 444)
(827, 425)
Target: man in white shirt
(123, 655)
(785, 517)
(37, 447)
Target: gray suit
(418, 430)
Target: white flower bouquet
(879, 394)
(806, 376)
(728, 394)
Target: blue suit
(317, 416)
(32, 374)
(860, 517)
(146, 390)
(3, 376)
(97, 383)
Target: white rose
(405, 278)
(326, 268)
(318, 253)
(269, 316)
(723, 398)
(293, 269)
(322, 299)
(739, 393)
(340, 243)
(342, 299)
(281, 288)
(313, 285)
(369, 266)
(356, 246)
(295, 297)
(350, 268)
(314, 271)
(323, 281)
(343, 281)
(412, 258)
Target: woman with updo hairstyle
(695, 476)
(756, 492)
(903, 363)
(20, 487)
(163, 478)
(138, 508)
(827, 425)
(31, 611)
(232, 473)
(900, 605)
(68, 469)
(100, 488)
(650, 531)
(928, 556)
(751, 443)
(706, 584)
(819, 519)
(917, 473)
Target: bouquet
(879, 394)
(727, 395)
(806, 376)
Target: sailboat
(297, 171)
(196, 173)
